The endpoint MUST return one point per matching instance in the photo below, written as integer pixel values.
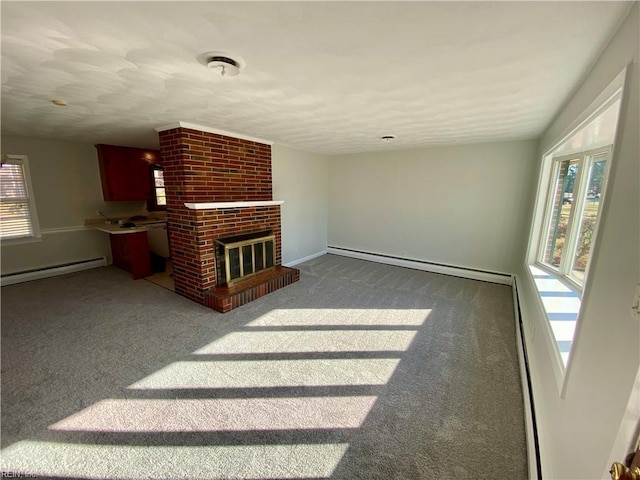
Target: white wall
(578, 431)
(461, 205)
(301, 180)
(67, 188)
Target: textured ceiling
(329, 77)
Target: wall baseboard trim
(530, 422)
(52, 271)
(456, 271)
(308, 257)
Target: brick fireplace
(217, 187)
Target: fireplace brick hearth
(203, 167)
(225, 299)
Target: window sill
(562, 306)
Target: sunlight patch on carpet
(341, 316)
(310, 341)
(255, 462)
(217, 415)
(270, 373)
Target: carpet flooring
(357, 371)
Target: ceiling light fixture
(229, 65)
(388, 138)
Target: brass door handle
(620, 472)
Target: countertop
(117, 229)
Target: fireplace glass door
(242, 256)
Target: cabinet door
(136, 178)
(130, 252)
(112, 169)
(120, 251)
(125, 172)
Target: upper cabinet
(125, 172)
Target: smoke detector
(228, 65)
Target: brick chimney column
(206, 167)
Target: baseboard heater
(453, 270)
(51, 271)
(531, 422)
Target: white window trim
(33, 212)
(617, 86)
(585, 160)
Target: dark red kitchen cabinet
(131, 253)
(125, 172)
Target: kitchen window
(158, 200)
(18, 216)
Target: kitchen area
(139, 240)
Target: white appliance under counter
(158, 238)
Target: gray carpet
(358, 371)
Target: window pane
(158, 179)
(16, 220)
(600, 131)
(588, 216)
(159, 192)
(12, 183)
(15, 213)
(560, 215)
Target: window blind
(15, 212)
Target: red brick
(206, 167)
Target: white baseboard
(52, 271)
(529, 415)
(308, 257)
(485, 276)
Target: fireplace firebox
(242, 256)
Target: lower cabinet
(131, 253)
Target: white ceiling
(329, 77)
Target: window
(574, 207)
(18, 219)
(576, 192)
(571, 194)
(158, 200)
